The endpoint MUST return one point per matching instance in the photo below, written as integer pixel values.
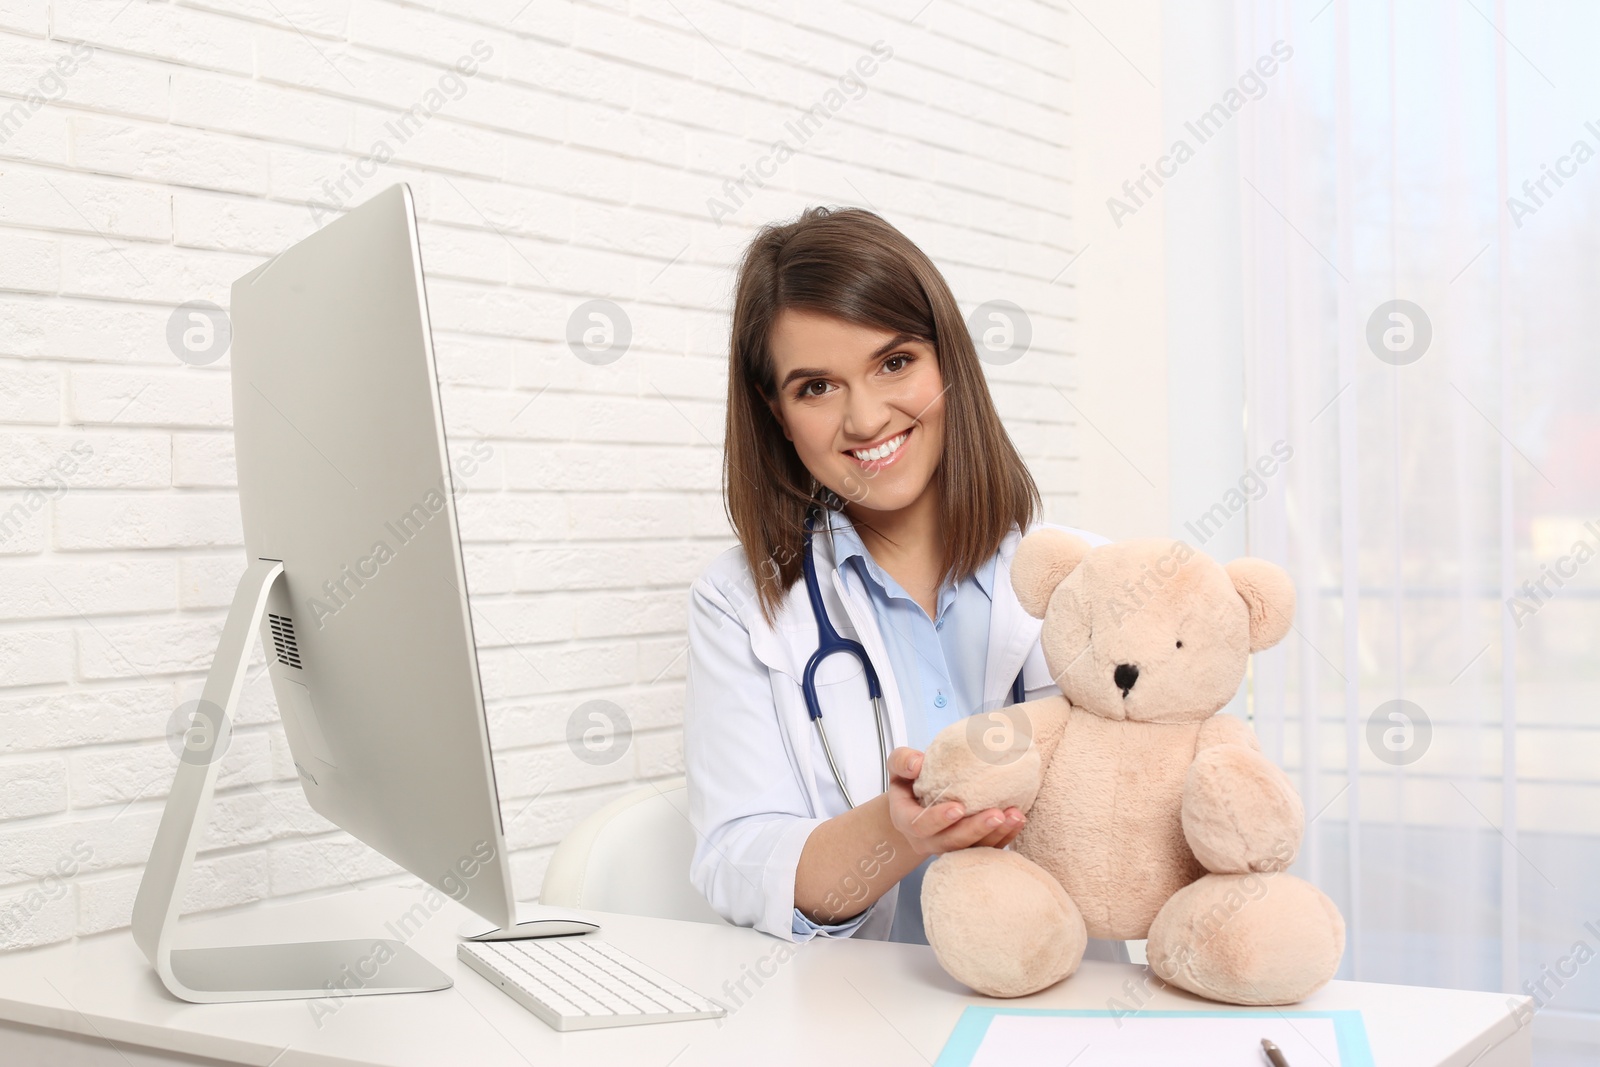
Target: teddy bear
(1148, 815)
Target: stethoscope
(829, 643)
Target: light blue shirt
(939, 665)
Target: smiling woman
(846, 342)
(856, 407)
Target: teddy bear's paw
(1247, 938)
(1240, 813)
(985, 761)
(999, 923)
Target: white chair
(631, 856)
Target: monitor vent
(283, 640)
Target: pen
(1274, 1054)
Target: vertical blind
(1419, 198)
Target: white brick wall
(194, 139)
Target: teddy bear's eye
(1180, 644)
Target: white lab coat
(758, 780)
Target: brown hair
(851, 264)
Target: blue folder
(968, 1034)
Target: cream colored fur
(1149, 815)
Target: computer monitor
(357, 585)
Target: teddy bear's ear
(1044, 558)
(1268, 593)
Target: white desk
(831, 1002)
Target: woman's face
(863, 407)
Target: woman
(855, 399)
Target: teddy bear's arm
(992, 759)
(1226, 729)
(1240, 812)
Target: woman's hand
(853, 859)
(944, 826)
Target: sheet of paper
(1178, 1039)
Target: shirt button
(939, 701)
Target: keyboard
(579, 983)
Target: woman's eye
(895, 364)
(814, 388)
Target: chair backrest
(631, 856)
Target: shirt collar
(848, 545)
(984, 576)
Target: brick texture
(151, 153)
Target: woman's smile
(876, 457)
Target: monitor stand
(290, 971)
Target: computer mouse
(539, 928)
(533, 920)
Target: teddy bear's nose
(1125, 675)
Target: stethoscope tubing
(830, 643)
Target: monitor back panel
(343, 476)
